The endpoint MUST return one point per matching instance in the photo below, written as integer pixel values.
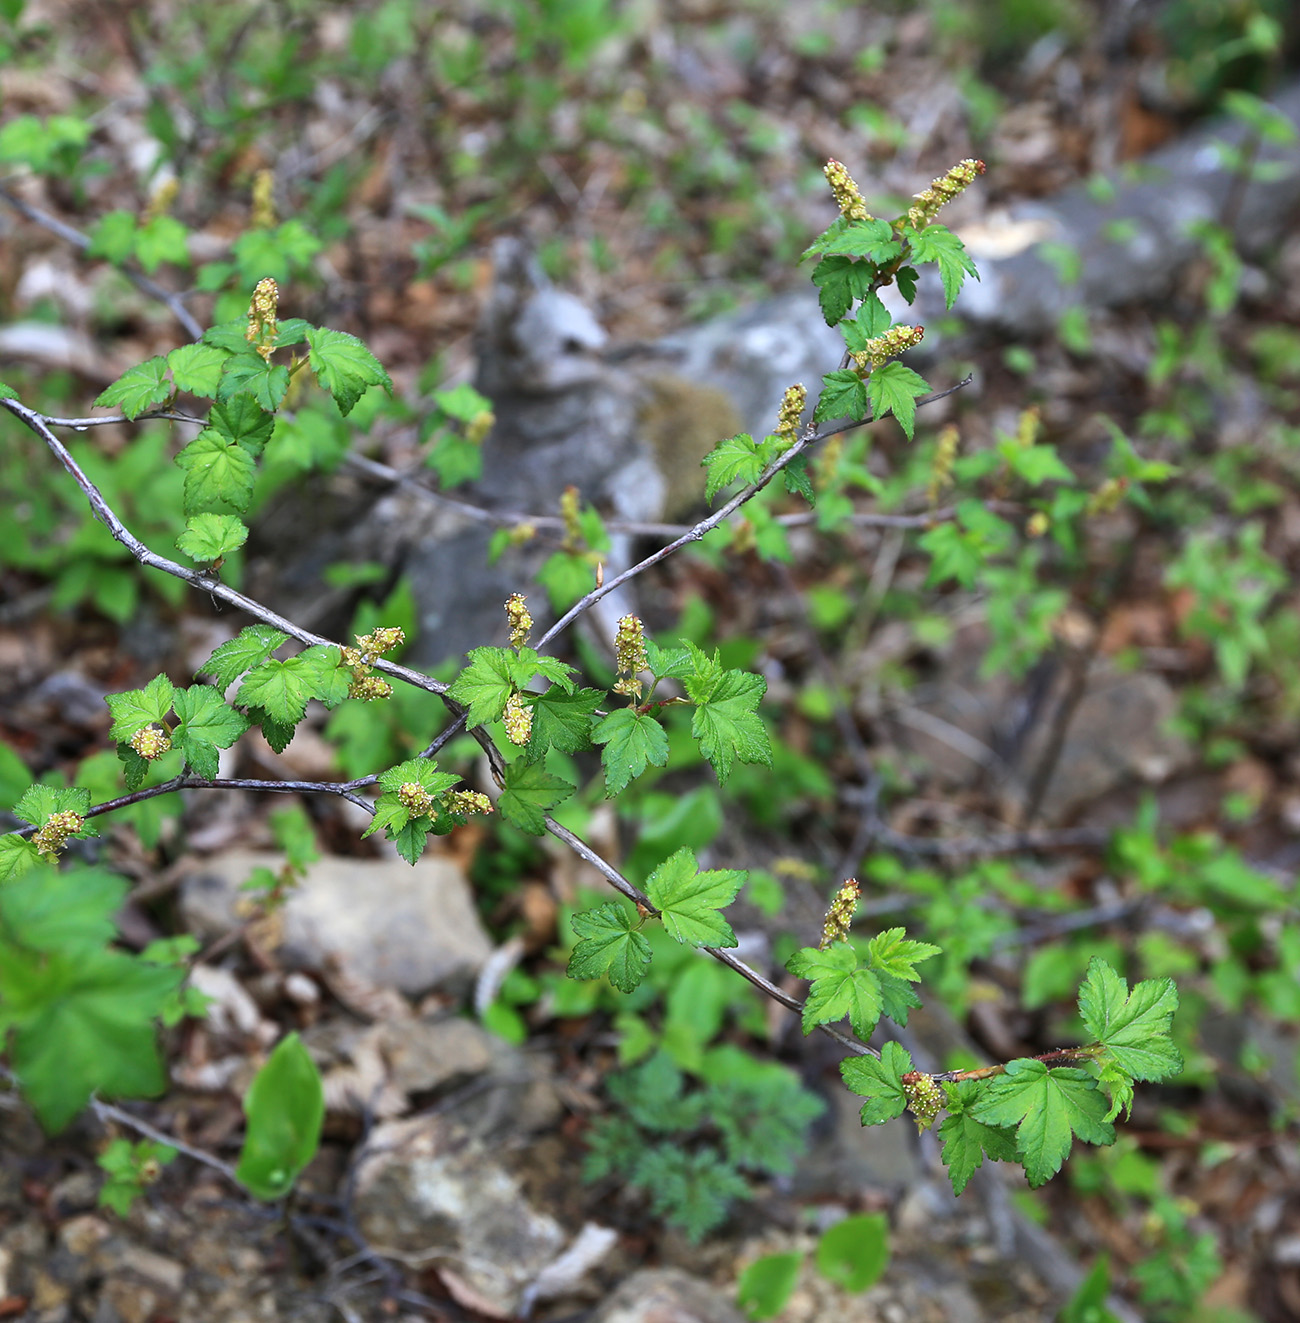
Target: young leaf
(196, 368)
(610, 942)
(485, 684)
(530, 793)
(767, 1284)
(206, 725)
(17, 856)
(893, 952)
(344, 366)
(1048, 1108)
(966, 1140)
(285, 1106)
(162, 239)
(249, 374)
(633, 740)
(880, 1082)
(242, 421)
(217, 473)
(727, 725)
(137, 708)
(39, 801)
(732, 459)
(249, 648)
(138, 388)
(844, 395)
(209, 538)
(839, 988)
(940, 245)
(1134, 1027)
(870, 320)
(894, 388)
(689, 900)
(840, 280)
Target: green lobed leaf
(689, 900)
(966, 1140)
(530, 793)
(418, 771)
(39, 801)
(840, 281)
(632, 741)
(562, 721)
(18, 856)
(839, 988)
(938, 244)
(609, 941)
(895, 389)
(285, 1106)
(485, 685)
(880, 1082)
(1134, 1027)
(217, 473)
(844, 395)
(249, 374)
(135, 709)
(893, 952)
(344, 366)
(139, 388)
(735, 459)
(209, 538)
(113, 237)
(196, 368)
(48, 910)
(410, 839)
(206, 724)
(870, 320)
(162, 239)
(1048, 1108)
(241, 420)
(249, 648)
(727, 725)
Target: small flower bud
(941, 191)
(569, 507)
(848, 197)
(1037, 524)
(790, 413)
(415, 799)
(945, 456)
(262, 328)
(479, 426)
(369, 687)
(881, 348)
(263, 217)
(1107, 497)
(518, 719)
(151, 741)
(521, 621)
(839, 918)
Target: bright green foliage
(844, 395)
(610, 942)
(145, 386)
(893, 388)
(562, 720)
(767, 1284)
(732, 460)
(529, 793)
(937, 244)
(493, 674)
(689, 901)
(879, 1080)
(217, 473)
(344, 366)
(1048, 1107)
(690, 1150)
(78, 1016)
(249, 648)
(854, 1253)
(285, 1106)
(205, 724)
(966, 1140)
(1088, 1303)
(408, 826)
(633, 741)
(130, 1167)
(726, 722)
(209, 538)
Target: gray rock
(430, 1194)
(382, 921)
(666, 1295)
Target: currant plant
(522, 706)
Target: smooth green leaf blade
(344, 366)
(767, 1284)
(880, 1082)
(689, 901)
(854, 1253)
(530, 793)
(285, 1106)
(249, 648)
(633, 741)
(138, 388)
(609, 942)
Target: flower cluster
(790, 413)
(839, 918)
(262, 328)
(361, 659)
(263, 216)
(630, 656)
(881, 348)
(521, 620)
(415, 798)
(151, 741)
(518, 720)
(1107, 497)
(945, 456)
(52, 837)
(848, 197)
(924, 1097)
(941, 191)
(468, 801)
